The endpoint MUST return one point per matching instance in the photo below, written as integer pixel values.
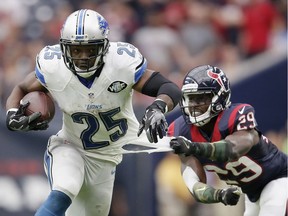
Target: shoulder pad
(240, 117)
(49, 67)
(126, 57)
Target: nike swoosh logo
(241, 111)
(187, 146)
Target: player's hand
(229, 196)
(181, 145)
(154, 122)
(16, 120)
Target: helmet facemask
(198, 107)
(84, 67)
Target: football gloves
(229, 196)
(181, 145)
(16, 120)
(154, 122)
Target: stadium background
(257, 78)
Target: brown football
(40, 102)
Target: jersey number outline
(94, 125)
(50, 52)
(244, 164)
(246, 121)
(127, 48)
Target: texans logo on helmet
(218, 78)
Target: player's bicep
(145, 76)
(31, 83)
(242, 141)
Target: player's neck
(89, 81)
(207, 129)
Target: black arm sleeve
(157, 84)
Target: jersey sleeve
(128, 59)
(171, 129)
(242, 118)
(179, 128)
(40, 68)
(50, 69)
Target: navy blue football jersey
(262, 164)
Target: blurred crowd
(174, 35)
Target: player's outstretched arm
(230, 148)
(195, 179)
(167, 96)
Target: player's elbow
(234, 156)
(235, 152)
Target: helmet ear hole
(217, 108)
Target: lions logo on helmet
(103, 25)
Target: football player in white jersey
(92, 80)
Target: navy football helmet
(209, 84)
(84, 28)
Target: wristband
(160, 104)
(190, 178)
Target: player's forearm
(205, 194)
(223, 150)
(167, 100)
(217, 151)
(200, 191)
(14, 98)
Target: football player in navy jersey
(92, 80)
(214, 135)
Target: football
(40, 102)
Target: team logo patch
(117, 86)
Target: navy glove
(154, 121)
(16, 120)
(181, 145)
(229, 196)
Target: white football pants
(272, 201)
(86, 180)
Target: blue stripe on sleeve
(39, 75)
(140, 71)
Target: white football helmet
(82, 28)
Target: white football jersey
(99, 118)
